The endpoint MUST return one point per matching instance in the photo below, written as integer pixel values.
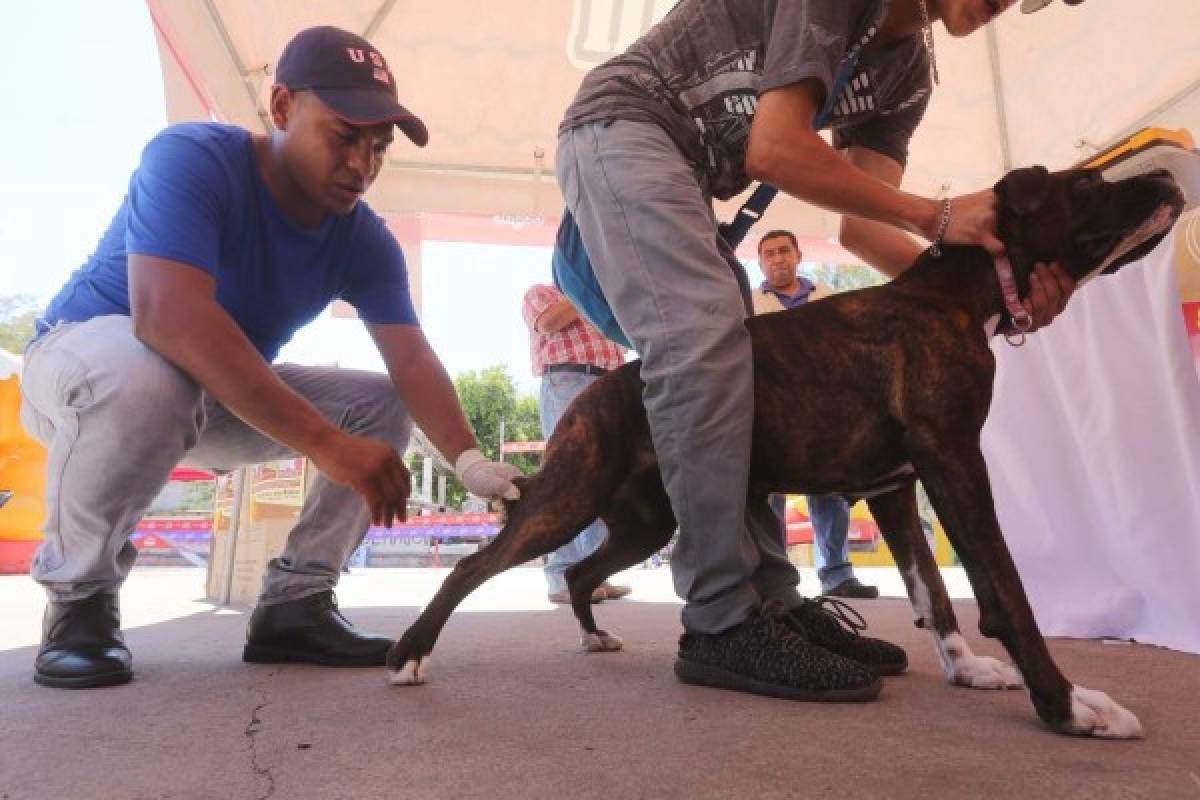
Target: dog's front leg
(896, 514)
(955, 475)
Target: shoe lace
(843, 614)
(773, 613)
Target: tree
(843, 277)
(488, 397)
(17, 313)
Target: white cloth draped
(1093, 447)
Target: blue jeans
(830, 517)
(557, 392)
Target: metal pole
(235, 519)
(501, 447)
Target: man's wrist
(928, 218)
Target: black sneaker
(837, 627)
(852, 588)
(763, 655)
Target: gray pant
(117, 418)
(682, 297)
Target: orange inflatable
(22, 476)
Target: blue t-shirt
(796, 300)
(197, 197)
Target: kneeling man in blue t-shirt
(158, 352)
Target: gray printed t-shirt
(698, 74)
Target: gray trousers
(682, 297)
(117, 418)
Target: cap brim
(372, 107)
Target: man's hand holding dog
(973, 221)
(1050, 288)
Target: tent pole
(998, 97)
(385, 8)
(251, 90)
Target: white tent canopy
(491, 80)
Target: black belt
(585, 369)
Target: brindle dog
(905, 381)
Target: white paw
(964, 668)
(1094, 713)
(985, 672)
(413, 673)
(601, 642)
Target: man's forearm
(815, 173)
(433, 404)
(883, 247)
(207, 344)
(556, 317)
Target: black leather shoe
(82, 646)
(310, 630)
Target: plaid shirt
(577, 343)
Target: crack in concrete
(253, 728)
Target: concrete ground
(514, 710)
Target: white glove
(486, 478)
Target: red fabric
(577, 343)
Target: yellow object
(1139, 141)
(22, 464)
(875, 554)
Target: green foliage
(843, 277)
(17, 313)
(487, 397)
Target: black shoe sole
(886, 670)
(718, 678)
(83, 681)
(262, 654)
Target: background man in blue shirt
(157, 352)
(779, 256)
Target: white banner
(1093, 446)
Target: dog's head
(1086, 224)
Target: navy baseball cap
(350, 76)
(1030, 6)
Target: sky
(83, 94)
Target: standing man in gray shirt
(718, 94)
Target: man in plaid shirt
(568, 353)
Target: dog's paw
(413, 673)
(964, 668)
(601, 642)
(985, 672)
(1094, 713)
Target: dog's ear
(1023, 191)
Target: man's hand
(1050, 287)
(486, 478)
(371, 468)
(973, 221)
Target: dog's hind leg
(640, 523)
(955, 475)
(544, 519)
(896, 514)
